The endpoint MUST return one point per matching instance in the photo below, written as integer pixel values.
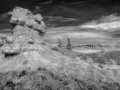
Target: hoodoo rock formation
(26, 44)
(24, 17)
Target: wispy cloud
(107, 23)
(58, 21)
(80, 35)
(58, 18)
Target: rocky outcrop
(25, 49)
(24, 17)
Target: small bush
(104, 58)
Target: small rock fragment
(10, 39)
(14, 48)
(38, 18)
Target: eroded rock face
(24, 17)
(27, 32)
(26, 44)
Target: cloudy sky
(84, 23)
(92, 24)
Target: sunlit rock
(38, 18)
(24, 17)
(10, 39)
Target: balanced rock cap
(24, 17)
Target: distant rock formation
(69, 44)
(59, 42)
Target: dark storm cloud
(6, 5)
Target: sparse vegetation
(43, 79)
(106, 57)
